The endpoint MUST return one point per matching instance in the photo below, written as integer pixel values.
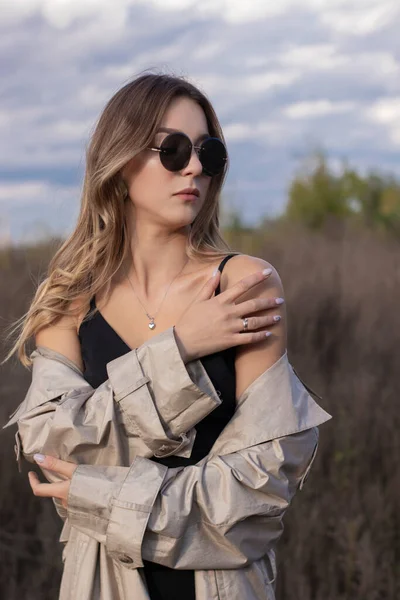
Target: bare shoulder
(62, 336)
(242, 265)
(252, 359)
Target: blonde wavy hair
(89, 258)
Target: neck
(156, 256)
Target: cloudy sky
(283, 76)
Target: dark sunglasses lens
(176, 149)
(213, 156)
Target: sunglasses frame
(193, 147)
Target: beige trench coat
(221, 517)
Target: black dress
(99, 345)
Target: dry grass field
(342, 533)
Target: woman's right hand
(211, 324)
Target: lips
(188, 197)
(192, 191)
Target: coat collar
(274, 405)
(53, 374)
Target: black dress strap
(220, 268)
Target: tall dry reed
(342, 533)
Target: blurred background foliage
(317, 194)
(336, 247)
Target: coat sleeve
(225, 512)
(151, 396)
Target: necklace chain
(152, 322)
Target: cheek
(206, 185)
(151, 183)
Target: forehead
(186, 116)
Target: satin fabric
(221, 517)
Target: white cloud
(237, 131)
(261, 82)
(68, 129)
(317, 108)
(278, 75)
(36, 192)
(263, 131)
(237, 88)
(387, 112)
(313, 57)
(326, 57)
(20, 192)
(93, 95)
(62, 13)
(360, 18)
(208, 50)
(352, 17)
(31, 210)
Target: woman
(165, 384)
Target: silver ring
(245, 323)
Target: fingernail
(215, 272)
(279, 300)
(39, 457)
(267, 272)
(277, 318)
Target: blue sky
(284, 77)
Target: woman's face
(152, 187)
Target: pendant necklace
(152, 323)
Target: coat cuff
(138, 493)
(90, 496)
(101, 500)
(161, 397)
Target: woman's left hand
(58, 490)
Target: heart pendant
(152, 325)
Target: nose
(194, 165)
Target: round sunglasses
(176, 149)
